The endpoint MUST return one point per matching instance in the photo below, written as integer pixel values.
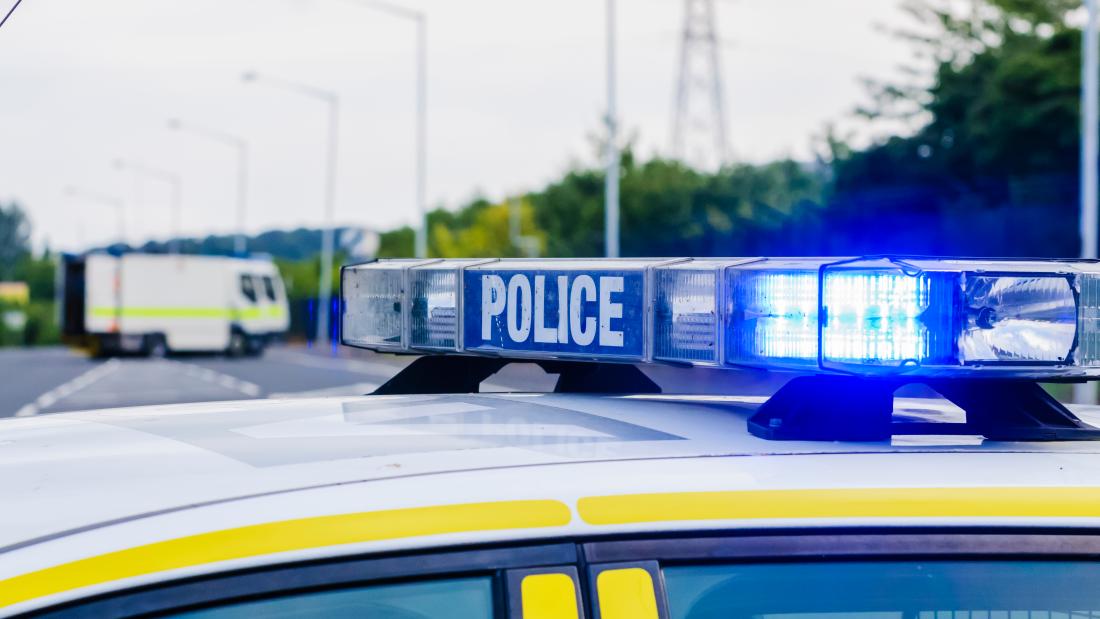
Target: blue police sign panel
(568, 312)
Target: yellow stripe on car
(1065, 502)
(548, 596)
(626, 593)
(284, 536)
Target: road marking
(220, 379)
(64, 390)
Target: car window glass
(248, 289)
(467, 598)
(885, 590)
(269, 287)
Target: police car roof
(84, 486)
(71, 471)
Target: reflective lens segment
(372, 306)
(1088, 321)
(434, 306)
(1018, 319)
(685, 321)
(433, 313)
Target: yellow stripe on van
(285, 536)
(190, 312)
(842, 503)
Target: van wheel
(256, 348)
(98, 349)
(238, 345)
(156, 347)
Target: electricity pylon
(699, 126)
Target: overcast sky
(516, 92)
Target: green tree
(399, 243)
(670, 209)
(990, 167)
(15, 239)
(1002, 100)
(484, 230)
(40, 273)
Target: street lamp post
(611, 182)
(1085, 393)
(421, 21)
(1090, 126)
(240, 146)
(176, 187)
(114, 202)
(332, 100)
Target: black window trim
(224, 588)
(831, 545)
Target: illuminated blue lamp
(880, 316)
(772, 313)
(916, 317)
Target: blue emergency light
(857, 316)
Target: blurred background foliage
(977, 155)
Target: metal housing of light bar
(875, 316)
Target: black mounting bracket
(464, 374)
(848, 408)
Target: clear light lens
(372, 306)
(772, 317)
(686, 315)
(434, 311)
(1018, 319)
(1088, 317)
(879, 318)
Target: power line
(10, 11)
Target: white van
(154, 304)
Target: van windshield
(269, 287)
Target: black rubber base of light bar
(845, 408)
(461, 374)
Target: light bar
(864, 316)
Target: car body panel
(286, 480)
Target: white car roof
(81, 486)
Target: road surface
(51, 380)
